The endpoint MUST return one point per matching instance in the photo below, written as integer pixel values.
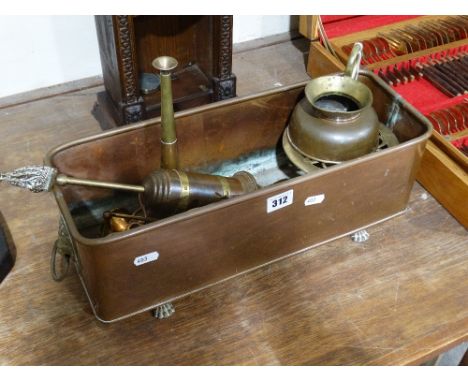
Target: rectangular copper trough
(207, 245)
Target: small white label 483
(279, 201)
(315, 199)
(140, 260)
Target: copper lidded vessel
(335, 121)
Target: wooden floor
(399, 298)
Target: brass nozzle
(169, 152)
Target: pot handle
(354, 61)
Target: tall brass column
(169, 152)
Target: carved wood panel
(209, 39)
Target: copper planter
(207, 245)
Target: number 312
(279, 201)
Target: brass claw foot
(164, 311)
(360, 236)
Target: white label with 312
(279, 201)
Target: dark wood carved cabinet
(128, 44)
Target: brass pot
(335, 121)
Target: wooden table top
(399, 298)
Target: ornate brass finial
(33, 178)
